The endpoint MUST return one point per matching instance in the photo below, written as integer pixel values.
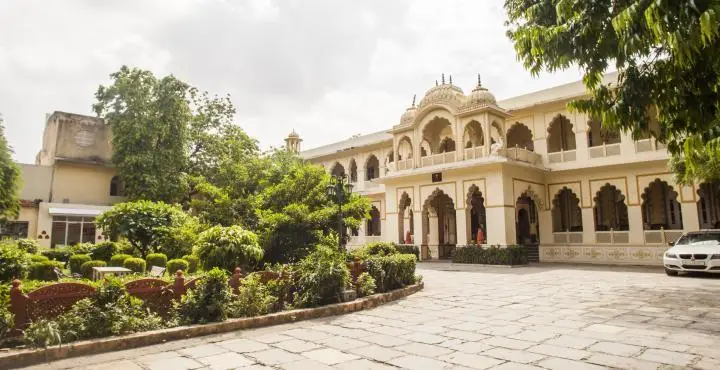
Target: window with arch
(337, 170)
(660, 208)
(405, 149)
(425, 149)
(566, 212)
(520, 136)
(473, 135)
(372, 168)
(561, 136)
(708, 205)
(117, 187)
(447, 145)
(435, 133)
(373, 224)
(496, 132)
(353, 171)
(597, 135)
(610, 210)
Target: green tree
(9, 180)
(667, 55)
(295, 211)
(144, 224)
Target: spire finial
(479, 81)
(413, 103)
(436, 83)
(450, 79)
(443, 79)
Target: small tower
(292, 142)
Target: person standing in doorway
(480, 237)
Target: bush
(322, 277)
(227, 248)
(38, 258)
(193, 262)
(253, 298)
(6, 322)
(179, 240)
(86, 269)
(365, 285)
(44, 270)
(208, 302)
(28, 245)
(103, 251)
(156, 259)
(282, 287)
(177, 264)
(493, 255)
(77, 260)
(408, 249)
(391, 272)
(119, 259)
(135, 264)
(80, 248)
(14, 262)
(58, 254)
(373, 249)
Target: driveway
(547, 316)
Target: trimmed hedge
(193, 262)
(177, 264)
(135, 264)
(44, 270)
(38, 258)
(28, 245)
(391, 272)
(103, 251)
(58, 254)
(86, 268)
(156, 259)
(408, 249)
(119, 259)
(77, 260)
(493, 255)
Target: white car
(696, 251)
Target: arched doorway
(373, 224)
(353, 170)
(406, 230)
(708, 205)
(527, 226)
(439, 225)
(476, 215)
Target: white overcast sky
(329, 69)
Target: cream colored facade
(525, 169)
(71, 182)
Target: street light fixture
(339, 190)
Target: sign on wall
(437, 177)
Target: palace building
(524, 170)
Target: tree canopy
(666, 53)
(9, 180)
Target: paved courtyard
(551, 317)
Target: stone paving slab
(540, 317)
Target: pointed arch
(439, 224)
(372, 167)
(476, 215)
(404, 149)
(337, 170)
(561, 136)
(435, 131)
(660, 207)
(473, 135)
(353, 170)
(520, 136)
(566, 212)
(496, 132)
(610, 210)
(597, 135)
(406, 228)
(373, 224)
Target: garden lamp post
(339, 189)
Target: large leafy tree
(667, 55)
(9, 180)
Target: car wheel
(671, 272)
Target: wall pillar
(690, 218)
(545, 227)
(433, 237)
(460, 227)
(500, 225)
(588, 222)
(637, 233)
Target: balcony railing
(661, 236)
(435, 159)
(562, 156)
(569, 237)
(521, 154)
(473, 153)
(648, 145)
(612, 237)
(604, 150)
(405, 164)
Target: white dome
(445, 93)
(478, 98)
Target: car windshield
(700, 238)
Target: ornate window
(709, 205)
(373, 224)
(520, 136)
(560, 135)
(597, 135)
(353, 171)
(566, 212)
(610, 210)
(372, 168)
(660, 208)
(337, 170)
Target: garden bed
(27, 357)
(493, 255)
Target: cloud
(328, 69)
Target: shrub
(179, 240)
(58, 254)
(408, 249)
(282, 287)
(103, 251)
(76, 261)
(14, 262)
(391, 272)
(193, 262)
(28, 245)
(322, 277)
(156, 259)
(6, 322)
(253, 298)
(80, 248)
(208, 302)
(493, 255)
(373, 249)
(44, 270)
(43, 333)
(119, 259)
(177, 264)
(135, 264)
(86, 269)
(38, 258)
(227, 248)
(365, 285)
